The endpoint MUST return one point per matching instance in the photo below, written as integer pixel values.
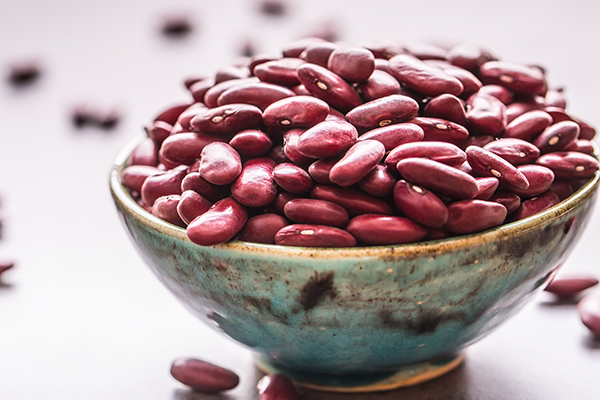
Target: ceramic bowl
(363, 318)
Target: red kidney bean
(423, 78)
(448, 107)
(436, 234)
(558, 115)
(164, 184)
(469, 216)
(442, 152)
(569, 164)
(276, 387)
(471, 84)
(497, 91)
(164, 163)
(557, 137)
(555, 98)
(219, 224)
(353, 64)
(308, 235)
(158, 131)
(260, 59)
(165, 208)
(203, 376)
(480, 141)
(319, 170)
(515, 151)
(194, 181)
(280, 72)
(437, 129)
(227, 119)
(211, 96)
(354, 201)
(508, 199)
(294, 49)
(191, 205)
(581, 146)
(486, 115)
(199, 89)
(373, 229)
(587, 131)
(336, 116)
(327, 139)
(487, 186)
(255, 186)
(439, 178)
(313, 211)
(384, 111)
(394, 135)
(419, 204)
(184, 119)
(251, 143)
(569, 286)
(220, 164)
(292, 178)
(589, 312)
(382, 65)
(540, 179)
(134, 176)
(469, 56)
(516, 109)
(282, 198)
(297, 111)
(379, 182)
(528, 125)
(359, 160)
(424, 51)
(259, 94)
(145, 153)
(318, 53)
(171, 114)
(186, 147)
(328, 86)
(516, 77)
(290, 147)
(486, 163)
(380, 84)
(262, 228)
(301, 90)
(384, 48)
(562, 189)
(536, 205)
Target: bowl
(363, 318)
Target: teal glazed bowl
(363, 318)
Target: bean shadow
(560, 302)
(591, 342)
(188, 394)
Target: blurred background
(81, 317)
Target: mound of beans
(330, 145)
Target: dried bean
(259, 94)
(186, 147)
(486, 163)
(171, 114)
(515, 151)
(486, 115)
(297, 111)
(581, 146)
(426, 51)
(165, 208)
(307, 235)
(203, 376)
(487, 186)
(220, 164)
(569, 286)
(528, 125)
(557, 137)
(469, 216)
(145, 153)
(536, 205)
(353, 64)
(497, 91)
(280, 72)
(373, 229)
(569, 164)
(227, 119)
(262, 228)
(276, 387)
(191, 205)
(540, 179)
(328, 86)
(318, 53)
(423, 78)
(471, 84)
(394, 135)
(211, 96)
(509, 200)
(442, 152)
(419, 204)
(516, 109)
(164, 184)
(231, 72)
(384, 111)
(469, 56)
(379, 182)
(292, 178)
(354, 201)
(219, 224)
(555, 98)
(358, 161)
(384, 48)
(562, 189)
(251, 143)
(589, 312)
(194, 181)
(327, 139)
(437, 129)
(184, 119)
(290, 147)
(255, 186)
(448, 107)
(134, 176)
(380, 84)
(319, 170)
(516, 77)
(294, 49)
(158, 131)
(199, 89)
(313, 211)
(282, 198)
(479, 141)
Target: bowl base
(408, 375)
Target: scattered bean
(569, 286)
(203, 376)
(589, 312)
(276, 387)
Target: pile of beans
(331, 145)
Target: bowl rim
(503, 232)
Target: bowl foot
(408, 375)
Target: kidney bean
(319, 170)
(290, 147)
(260, 59)
(536, 205)
(164, 184)
(437, 129)
(508, 199)
(384, 111)
(471, 84)
(318, 53)
(328, 86)
(442, 152)
(540, 180)
(191, 205)
(486, 163)
(211, 96)
(379, 182)
(586, 131)
(327, 139)
(425, 51)
(186, 147)
(354, 201)
(515, 151)
(439, 178)
(487, 186)
(227, 119)
(569, 286)
(255, 186)
(448, 107)
(292, 178)
(219, 224)
(581, 146)
(280, 72)
(282, 198)
(251, 143)
(145, 153)
(423, 78)
(262, 228)
(194, 181)
(380, 84)
(384, 48)
(394, 135)
(308, 235)
(557, 137)
(469, 216)
(589, 312)
(516, 109)
(336, 116)
(382, 65)
(419, 204)
(203, 376)
(469, 56)
(562, 189)
(528, 125)
(294, 49)
(297, 111)
(555, 98)
(259, 94)
(158, 131)
(569, 164)
(276, 387)
(373, 229)
(353, 64)
(190, 80)
(220, 164)
(165, 208)
(516, 77)
(479, 141)
(358, 161)
(497, 91)
(486, 115)
(300, 90)
(313, 211)
(186, 116)
(134, 176)
(164, 163)
(171, 114)
(198, 89)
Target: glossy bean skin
(469, 56)
(354, 201)
(309, 235)
(499, 92)
(562, 189)
(557, 137)
(191, 205)
(262, 228)
(227, 120)
(171, 114)
(294, 49)
(384, 48)
(540, 180)
(251, 143)
(230, 72)
(292, 178)
(480, 141)
(440, 178)
(203, 376)
(134, 176)
(145, 153)
(220, 164)
(211, 96)
(486, 163)
(186, 147)
(581, 146)
(509, 200)
(380, 84)
(486, 115)
(569, 164)
(423, 78)
(290, 147)
(442, 152)
(373, 229)
(384, 111)
(282, 198)
(437, 129)
(198, 89)
(158, 131)
(470, 216)
(515, 151)
(164, 184)
(276, 387)
(589, 312)
(555, 98)
(319, 170)
(420, 205)
(570, 286)
(255, 186)
(318, 53)
(183, 123)
(448, 107)
(471, 84)
(528, 125)
(194, 181)
(353, 64)
(219, 224)
(536, 205)
(358, 161)
(516, 77)
(259, 94)
(313, 211)
(329, 87)
(379, 182)
(280, 72)
(424, 51)
(518, 108)
(487, 186)
(327, 139)
(394, 135)
(165, 208)
(297, 111)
